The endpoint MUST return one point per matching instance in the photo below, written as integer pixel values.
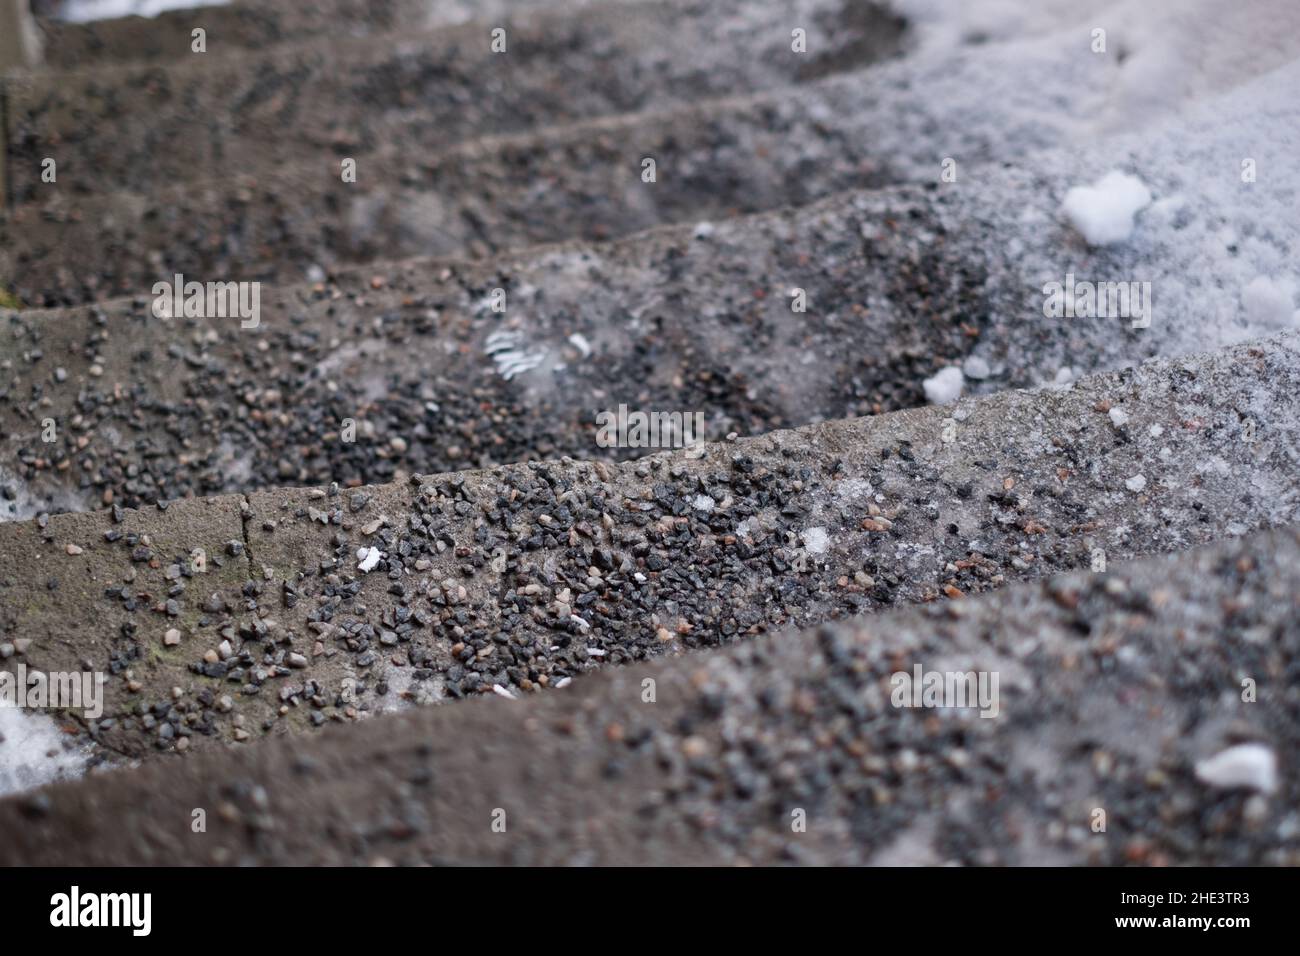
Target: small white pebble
(703, 503)
(502, 692)
(1118, 417)
(976, 368)
(563, 682)
(1136, 483)
(369, 559)
(1157, 430)
(703, 230)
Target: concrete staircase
(384, 491)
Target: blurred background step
(84, 33)
(1107, 687)
(716, 158)
(140, 128)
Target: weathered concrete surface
(682, 320)
(258, 24)
(133, 127)
(719, 159)
(524, 575)
(1114, 689)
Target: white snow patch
(816, 540)
(1103, 212)
(945, 386)
(976, 368)
(1253, 766)
(33, 751)
(1270, 302)
(509, 354)
(83, 11)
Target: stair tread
(1101, 694)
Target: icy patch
(816, 540)
(1103, 212)
(1253, 766)
(945, 387)
(84, 11)
(511, 358)
(33, 751)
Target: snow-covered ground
(1150, 141)
(33, 751)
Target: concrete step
(256, 25)
(1121, 735)
(521, 576)
(136, 127)
(675, 320)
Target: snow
(1270, 302)
(82, 11)
(816, 540)
(32, 751)
(944, 387)
(1252, 766)
(1104, 212)
(1118, 417)
(976, 368)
